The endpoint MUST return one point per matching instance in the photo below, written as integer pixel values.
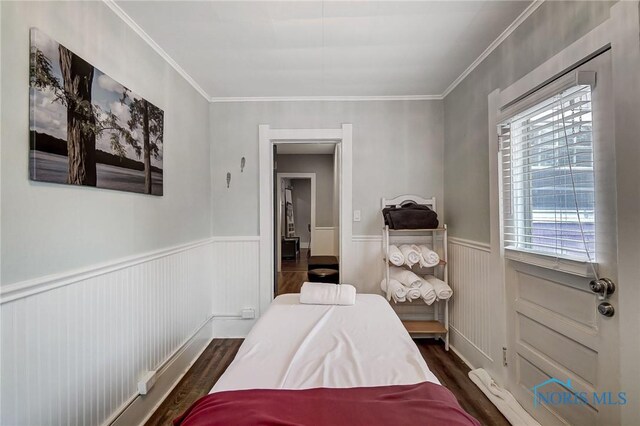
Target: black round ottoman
(324, 275)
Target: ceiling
(323, 49)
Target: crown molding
(506, 33)
(326, 98)
(155, 46)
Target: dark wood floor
(294, 273)
(453, 374)
(447, 367)
(299, 264)
(291, 281)
(198, 381)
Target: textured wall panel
(471, 304)
(73, 355)
(236, 267)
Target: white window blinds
(548, 177)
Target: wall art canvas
(86, 128)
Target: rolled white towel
(427, 292)
(394, 290)
(395, 255)
(383, 287)
(411, 255)
(406, 278)
(428, 257)
(327, 294)
(413, 293)
(443, 291)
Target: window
(548, 193)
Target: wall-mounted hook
(228, 178)
(243, 161)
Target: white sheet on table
(295, 346)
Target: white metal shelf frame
(387, 234)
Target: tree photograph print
(87, 129)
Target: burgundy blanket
(423, 403)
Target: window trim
(519, 105)
(549, 261)
(561, 263)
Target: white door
(563, 355)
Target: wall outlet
(356, 215)
(146, 383)
(248, 313)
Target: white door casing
(266, 138)
(625, 44)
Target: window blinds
(548, 194)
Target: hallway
(293, 273)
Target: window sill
(568, 266)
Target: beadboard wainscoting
(367, 258)
(472, 306)
(75, 345)
(236, 284)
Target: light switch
(356, 215)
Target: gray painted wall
(397, 148)
(555, 25)
(322, 166)
(50, 228)
(301, 195)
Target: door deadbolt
(603, 287)
(606, 309)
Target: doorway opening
(268, 138)
(307, 212)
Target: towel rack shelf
(439, 327)
(424, 327)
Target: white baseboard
(462, 357)
(467, 351)
(232, 327)
(143, 406)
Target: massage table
(327, 364)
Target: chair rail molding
(469, 243)
(37, 285)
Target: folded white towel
(406, 278)
(411, 255)
(428, 257)
(327, 294)
(395, 255)
(427, 293)
(394, 290)
(443, 291)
